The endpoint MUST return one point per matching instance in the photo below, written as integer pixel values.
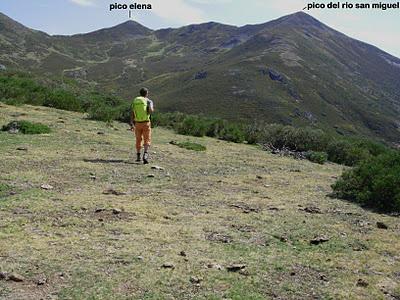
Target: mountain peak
(129, 28)
(299, 19)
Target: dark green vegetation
(374, 183)
(26, 127)
(19, 88)
(190, 146)
(293, 71)
(317, 157)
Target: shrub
(317, 157)
(62, 99)
(192, 125)
(374, 183)
(26, 127)
(232, 132)
(102, 112)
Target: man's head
(144, 92)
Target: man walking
(142, 108)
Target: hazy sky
(377, 27)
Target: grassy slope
(49, 233)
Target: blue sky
(380, 28)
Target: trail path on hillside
(79, 219)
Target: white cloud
(84, 2)
(178, 11)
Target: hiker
(142, 108)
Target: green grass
(26, 127)
(191, 146)
(53, 232)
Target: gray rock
(15, 277)
(235, 267)
(381, 225)
(168, 265)
(46, 187)
(195, 280)
(319, 240)
(363, 283)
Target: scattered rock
(93, 177)
(215, 266)
(319, 240)
(99, 210)
(235, 267)
(219, 237)
(151, 176)
(195, 280)
(15, 277)
(381, 225)
(46, 187)
(323, 278)
(168, 265)
(311, 210)
(244, 272)
(245, 208)
(42, 280)
(259, 177)
(140, 258)
(101, 133)
(274, 75)
(200, 75)
(22, 149)
(183, 253)
(113, 192)
(3, 275)
(363, 283)
(157, 168)
(116, 211)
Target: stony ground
(80, 220)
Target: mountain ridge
(293, 70)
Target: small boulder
(15, 277)
(46, 187)
(235, 267)
(381, 225)
(116, 211)
(363, 283)
(319, 240)
(3, 275)
(168, 265)
(157, 168)
(195, 280)
(151, 176)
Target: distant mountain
(293, 70)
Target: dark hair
(144, 92)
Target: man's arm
(132, 122)
(150, 106)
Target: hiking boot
(145, 158)
(138, 157)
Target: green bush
(317, 157)
(373, 183)
(62, 99)
(26, 127)
(232, 132)
(294, 139)
(192, 125)
(350, 151)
